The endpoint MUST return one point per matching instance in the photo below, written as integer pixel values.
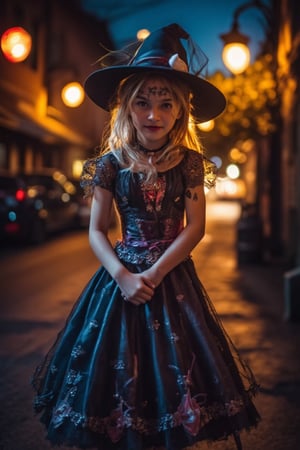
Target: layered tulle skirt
(130, 377)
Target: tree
(251, 102)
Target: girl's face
(154, 112)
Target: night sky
(204, 20)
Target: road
(39, 286)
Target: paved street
(39, 286)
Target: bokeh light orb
(16, 44)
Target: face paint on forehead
(155, 91)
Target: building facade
(36, 128)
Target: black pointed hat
(163, 51)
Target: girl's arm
(191, 235)
(136, 287)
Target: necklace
(149, 152)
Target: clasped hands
(137, 288)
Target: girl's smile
(153, 128)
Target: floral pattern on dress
(192, 413)
(154, 193)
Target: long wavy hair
(120, 135)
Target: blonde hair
(120, 135)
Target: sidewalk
(250, 301)
(264, 285)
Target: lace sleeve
(98, 171)
(199, 170)
(193, 169)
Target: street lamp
(236, 54)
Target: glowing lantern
(236, 54)
(236, 57)
(72, 94)
(16, 44)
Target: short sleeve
(199, 170)
(193, 169)
(100, 171)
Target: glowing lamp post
(16, 44)
(236, 54)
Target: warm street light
(232, 171)
(16, 44)
(72, 94)
(236, 54)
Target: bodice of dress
(151, 214)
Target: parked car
(84, 208)
(34, 205)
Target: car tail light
(12, 227)
(20, 195)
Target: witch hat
(169, 51)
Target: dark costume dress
(161, 374)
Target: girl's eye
(141, 103)
(167, 105)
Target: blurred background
(249, 259)
(46, 123)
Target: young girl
(143, 360)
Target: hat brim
(208, 101)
